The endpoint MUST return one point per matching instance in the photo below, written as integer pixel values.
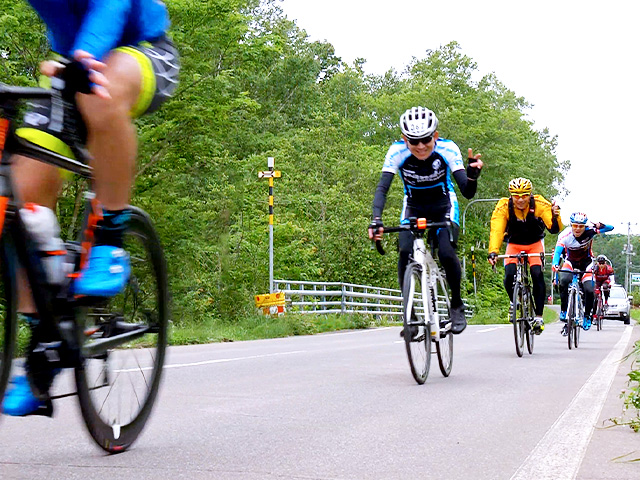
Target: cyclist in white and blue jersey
(426, 163)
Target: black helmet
(601, 259)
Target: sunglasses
(416, 141)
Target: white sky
(575, 61)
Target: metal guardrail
(307, 297)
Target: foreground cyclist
(121, 54)
(426, 163)
(574, 243)
(521, 220)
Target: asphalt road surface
(344, 406)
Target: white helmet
(418, 122)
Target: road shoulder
(602, 460)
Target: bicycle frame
(423, 256)
(53, 303)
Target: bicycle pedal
(44, 410)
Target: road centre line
(573, 429)
(492, 329)
(235, 359)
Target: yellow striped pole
(270, 174)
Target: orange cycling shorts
(514, 248)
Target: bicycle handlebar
(12, 93)
(415, 224)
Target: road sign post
(270, 174)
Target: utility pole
(464, 217)
(627, 250)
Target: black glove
(76, 79)
(599, 225)
(472, 172)
(492, 256)
(376, 224)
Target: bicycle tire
(529, 334)
(570, 319)
(517, 316)
(8, 299)
(576, 331)
(599, 314)
(417, 330)
(103, 386)
(577, 321)
(444, 348)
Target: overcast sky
(575, 61)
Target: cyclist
(521, 220)
(426, 164)
(119, 51)
(601, 273)
(574, 243)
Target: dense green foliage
(253, 85)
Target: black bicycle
(426, 306)
(116, 345)
(522, 315)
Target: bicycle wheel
(417, 331)
(599, 314)
(571, 313)
(444, 347)
(530, 313)
(517, 318)
(8, 317)
(124, 342)
(577, 323)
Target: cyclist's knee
(35, 181)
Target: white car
(619, 304)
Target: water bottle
(42, 225)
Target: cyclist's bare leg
(112, 136)
(40, 183)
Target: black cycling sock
(110, 229)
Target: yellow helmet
(520, 186)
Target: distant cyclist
(521, 220)
(119, 51)
(426, 164)
(602, 272)
(574, 243)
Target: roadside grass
(258, 326)
(494, 315)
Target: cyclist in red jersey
(602, 272)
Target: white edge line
(572, 430)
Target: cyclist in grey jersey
(426, 164)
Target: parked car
(619, 304)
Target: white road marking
(572, 431)
(235, 359)
(492, 329)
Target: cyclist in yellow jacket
(521, 220)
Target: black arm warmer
(467, 187)
(380, 197)
(555, 227)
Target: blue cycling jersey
(98, 26)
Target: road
(344, 406)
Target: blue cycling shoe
(19, 400)
(106, 274)
(586, 323)
(563, 316)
